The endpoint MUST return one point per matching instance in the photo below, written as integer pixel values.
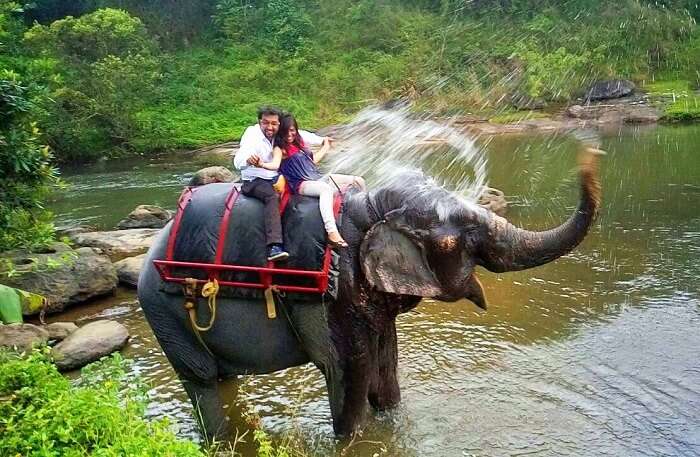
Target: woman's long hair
(286, 122)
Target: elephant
(408, 239)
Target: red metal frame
(213, 270)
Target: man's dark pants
(262, 190)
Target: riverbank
(608, 112)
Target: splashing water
(382, 143)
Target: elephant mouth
(473, 292)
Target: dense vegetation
(42, 413)
(102, 413)
(124, 76)
(112, 77)
(25, 169)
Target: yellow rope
(209, 290)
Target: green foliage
(113, 91)
(287, 25)
(101, 414)
(686, 109)
(668, 88)
(175, 23)
(41, 413)
(92, 37)
(10, 26)
(25, 167)
(108, 57)
(512, 117)
(680, 102)
(238, 19)
(280, 26)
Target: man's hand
(328, 140)
(254, 160)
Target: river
(594, 354)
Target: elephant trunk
(509, 248)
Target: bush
(282, 26)
(25, 167)
(41, 413)
(92, 37)
(106, 73)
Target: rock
(89, 343)
(642, 114)
(70, 230)
(60, 330)
(494, 200)
(211, 174)
(118, 244)
(615, 113)
(22, 336)
(65, 276)
(128, 269)
(145, 216)
(604, 90)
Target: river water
(594, 354)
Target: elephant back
(198, 236)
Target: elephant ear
(393, 263)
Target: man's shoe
(276, 252)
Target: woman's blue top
(299, 167)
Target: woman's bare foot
(336, 240)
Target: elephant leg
(384, 392)
(356, 382)
(208, 409)
(336, 392)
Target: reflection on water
(594, 354)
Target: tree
(25, 167)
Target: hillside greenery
(126, 76)
(108, 78)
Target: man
(256, 147)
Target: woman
(299, 167)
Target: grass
(687, 109)
(515, 117)
(680, 102)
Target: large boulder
(605, 90)
(22, 336)
(145, 216)
(211, 174)
(63, 275)
(59, 331)
(89, 343)
(118, 244)
(128, 270)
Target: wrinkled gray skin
(407, 241)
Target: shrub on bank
(25, 169)
(41, 413)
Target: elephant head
(429, 241)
